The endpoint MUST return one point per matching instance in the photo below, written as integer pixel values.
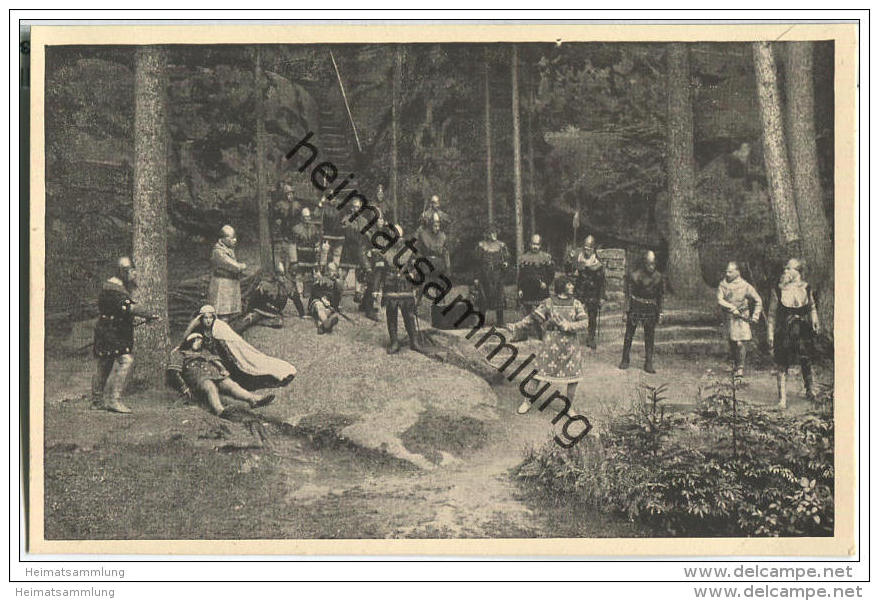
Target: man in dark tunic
(536, 274)
(494, 259)
(114, 337)
(644, 291)
(589, 283)
(266, 303)
(195, 368)
(435, 247)
(399, 296)
(793, 325)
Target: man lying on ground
(194, 370)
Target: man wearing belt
(735, 295)
(645, 290)
(224, 291)
(114, 337)
(536, 275)
(399, 295)
(589, 282)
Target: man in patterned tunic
(114, 337)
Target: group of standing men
(302, 241)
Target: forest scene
(701, 153)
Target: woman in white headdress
(248, 366)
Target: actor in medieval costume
(306, 240)
(493, 261)
(285, 211)
(224, 290)
(333, 233)
(247, 366)
(356, 247)
(793, 324)
(644, 293)
(435, 248)
(399, 296)
(432, 211)
(114, 337)
(326, 294)
(560, 358)
(375, 277)
(267, 300)
(536, 274)
(589, 283)
(194, 369)
(742, 306)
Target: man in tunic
(644, 293)
(326, 293)
(436, 250)
(494, 259)
(433, 211)
(793, 324)
(224, 291)
(399, 296)
(266, 303)
(589, 283)
(285, 212)
(356, 248)
(735, 297)
(114, 337)
(536, 274)
(195, 369)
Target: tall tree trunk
(150, 206)
(817, 241)
(684, 271)
(489, 183)
(532, 186)
(262, 205)
(775, 151)
(517, 153)
(395, 91)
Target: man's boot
(297, 302)
(782, 389)
(394, 346)
(627, 345)
(649, 336)
(409, 321)
(116, 384)
(500, 318)
(809, 381)
(330, 322)
(741, 351)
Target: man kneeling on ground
(193, 367)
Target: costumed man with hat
(644, 292)
(399, 296)
(494, 259)
(224, 291)
(587, 273)
(735, 296)
(536, 275)
(114, 337)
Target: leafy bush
(725, 469)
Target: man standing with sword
(114, 337)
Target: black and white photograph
(548, 286)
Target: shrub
(724, 469)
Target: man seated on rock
(266, 302)
(326, 293)
(194, 369)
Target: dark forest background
(594, 133)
